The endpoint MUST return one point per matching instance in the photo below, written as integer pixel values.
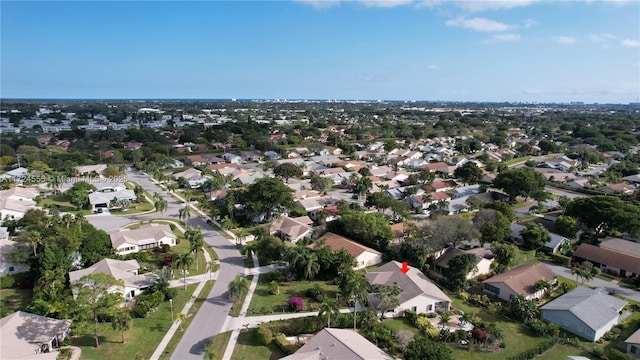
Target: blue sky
(530, 51)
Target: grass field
(14, 299)
(560, 352)
(141, 340)
(218, 345)
(399, 324)
(265, 303)
(248, 348)
(237, 306)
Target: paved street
(212, 314)
(597, 283)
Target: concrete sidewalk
(176, 324)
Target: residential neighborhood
(333, 233)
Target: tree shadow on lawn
(249, 339)
(89, 340)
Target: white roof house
(338, 344)
(149, 236)
(15, 202)
(6, 267)
(27, 336)
(127, 271)
(104, 197)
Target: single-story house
(609, 260)
(149, 236)
(484, 259)
(551, 246)
(127, 271)
(632, 344)
(91, 169)
(15, 202)
(520, 280)
(418, 292)
(29, 336)
(365, 256)
(588, 313)
(621, 245)
(17, 174)
(6, 267)
(292, 229)
(105, 197)
(338, 344)
(189, 174)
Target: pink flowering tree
(295, 303)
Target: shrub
(423, 323)
(432, 332)
(295, 303)
(464, 296)
(278, 276)
(284, 344)
(411, 316)
(560, 259)
(7, 282)
(479, 335)
(432, 315)
(314, 291)
(264, 335)
(274, 288)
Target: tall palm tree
(188, 194)
(209, 268)
(445, 319)
(36, 239)
(184, 214)
(328, 307)
(296, 256)
(161, 205)
(311, 265)
(184, 261)
(356, 287)
(122, 322)
(238, 287)
(54, 183)
(196, 241)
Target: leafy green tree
(566, 226)
(493, 225)
(520, 182)
(459, 267)
(267, 197)
(287, 171)
(386, 297)
(505, 253)
(422, 348)
(238, 287)
(320, 183)
(451, 230)
(523, 309)
(605, 213)
(469, 173)
(503, 207)
(535, 235)
(370, 229)
(94, 299)
(79, 193)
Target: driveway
(597, 283)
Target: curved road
(210, 319)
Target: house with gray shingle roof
(520, 280)
(588, 313)
(418, 292)
(338, 344)
(632, 344)
(149, 236)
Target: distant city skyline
(430, 50)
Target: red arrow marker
(404, 267)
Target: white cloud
(319, 4)
(385, 3)
(506, 37)
(564, 39)
(434, 67)
(630, 43)
(478, 24)
(602, 37)
(529, 23)
(478, 6)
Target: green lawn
(135, 208)
(61, 201)
(560, 352)
(14, 299)
(525, 256)
(517, 337)
(265, 303)
(237, 306)
(399, 324)
(217, 346)
(202, 297)
(248, 348)
(141, 340)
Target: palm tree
(467, 318)
(209, 268)
(79, 219)
(36, 239)
(356, 286)
(196, 241)
(172, 187)
(445, 319)
(241, 235)
(121, 322)
(184, 214)
(184, 261)
(238, 287)
(188, 194)
(54, 183)
(161, 205)
(311, 265)
(181, 317)
(296, 257)
(329, 306)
